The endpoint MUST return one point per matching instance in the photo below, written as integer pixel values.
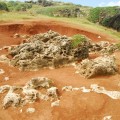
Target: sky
(93, 3)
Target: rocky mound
(99, 66)
(76, 12)
(46, 50)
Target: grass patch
(77, 40)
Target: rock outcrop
(46, 50)
(76, 12)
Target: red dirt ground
(73, 105)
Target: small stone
(67, 88)
(2, 71)
(56, 103)
(107, 118)
(99, 37)
(30, 110)
(21, 110)
(6, 78)
(16, 35)
(75, 89)
(83, 89)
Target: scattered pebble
(2, 71)
(107, 118)
(99, 37)
(30, 110)
(6, 78)
(83, 89)
(67, 88)
(56, 103)
(21, 110)
(16, 35)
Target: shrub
(100, 14)
(18, 6)
(113, 22)
(3, 6)
(94, 14)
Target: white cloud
(113, 3)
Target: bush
(113, 22)
(94, 14)
(3, 6)
(77, 40)
(18, 6)
(100, 14)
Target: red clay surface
(73, 105)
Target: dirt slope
(73, 105)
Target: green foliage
(105, 21)
(99, 14)
(94, 14)
(3, 6)
(45, 3)
(78, 39)
(18, 6)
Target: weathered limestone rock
(36, 88)
(38, 82)
(43, 97)
(52, 92)
(103, 47)
(75, 12)
(49, 49)
(111, 94)
(3, 58)
(30, 94)
(4, 88)
(99, 66)
(11, 99)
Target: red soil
(73, 105)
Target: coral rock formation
(104, 65)
(46, 50)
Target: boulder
(104, 65)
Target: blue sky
(93, 3)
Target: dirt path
(73, 105)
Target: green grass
(12, 16)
